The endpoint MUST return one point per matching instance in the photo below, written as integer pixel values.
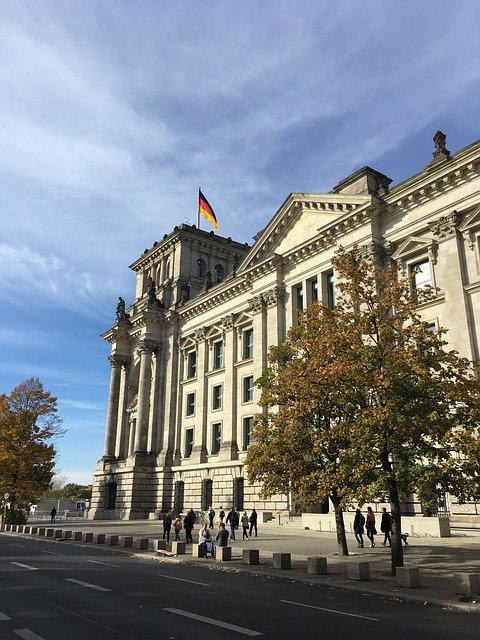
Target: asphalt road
(59, 590)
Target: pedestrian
(167, 525)
(221, 539)
(205, 540)
(386, 527)
(232, 518)
(221, 515)
(53, 514)
(188, 524)
(211, 516)
(245, 526)
(358, 524)
(253, 523)
(177, 527)
(370, 526)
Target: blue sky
(112, 113)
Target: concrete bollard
(111, 539)
(34, 531)
(125, 541)
(282, 561)
(49, 533)
(140, 543)
(317, 565)
(179, 548)
(77, 535)
(8, 527)
(159, 544)
(251, 556)
(87, 536)
(19, 528)
(408, 577)
(358, 570)
(99, 538)
(27, 529)
(467, 584)
(197, 551)
(67, 534)
(58, 534)
(14, 528)
(41, 531)
(223, 554)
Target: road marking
(25, 566)
(216, 623)
(17, 545)
(53, 553)
(4, 617)
(26, 634)
(107, 564)
(87, 584)
(341, 613)
(203, 584)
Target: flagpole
(198, 208)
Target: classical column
(199, 453)
(258, 307)
(275, 303)
(229, 448)
(121, 444)
(144, 385)
(112, 411)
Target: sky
(113, 113)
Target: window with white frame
(190, 404)
(188, 442)
(247, 432)
(329, 289)
(421, 273)
(216, 437)
(218, 355)
(248, 389)
(248, 344)
(191, 364)
(313, 289)
(217, 396)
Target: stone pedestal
(49, 533)
(87, 536)
(408, 577)
(197, 551)
(77, 535)
(99, 538)
(223, 554)
(317, 565)
(358, 570)
(467, 584)
(111, 539)
(68, 535)
(178, 548)
(58, 533)
(282, 561)
(125, 541)
(140, 543)
(251, 556)
(41, 531)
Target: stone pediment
(470, 227)
(414, 245)
(301, 216)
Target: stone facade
(185, 354)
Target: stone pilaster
(112, 411)
(145, 348)
(199, 453)
(121, 444)
(229, 447)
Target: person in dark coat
(370, 526)
(386, 527)
(221, 539)
(53, 514)
(188, 523)
(358, 524)
(211, 516)
(253, 523)
(232, 518)
(167, 525)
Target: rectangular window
(248, 389)
(216, 437)
(299, 297)
(217, 396)
(247, 432)
(421, 274)
(188, 442)
(248, 344)
(313, 290)
(191, 364)
(218, 355)
(330, 290)
(190, 404)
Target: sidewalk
(437, 558)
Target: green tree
(28, 423)
(408, 407)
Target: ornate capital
(445, 226)
(227, 321)
(199, 334)
(147, 346)
(256, 303)
(117, 360)
(274, 296)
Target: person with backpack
(188, 524)
(211, 516)
(167, 525)
(386, 527)
(232, 518)
(358, 524)
(177, 527)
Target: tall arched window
(219, 273)
(201, 268)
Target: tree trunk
(340, 524)
(397, 551)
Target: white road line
(107, 564)
(26, 634)
(87, 584)
(216, 623)
(25, 566)
(341, 613)
(17, 545)
(203, 584)
(4, 617)
(53, 553)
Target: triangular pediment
(472, 221)
(301, 216)
(411, 246)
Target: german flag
(206, 210)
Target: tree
(28, 423)
(407, 406)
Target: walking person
(386, 527)
(358, 524)
(167, 525)
(211, 516)
(177, 527)
(370, 526)
(188, 523)
(205, 540)
(221, 515)
(244, 522)
(232, 518)
(53, 514)
(221, 539)
(253, 523)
